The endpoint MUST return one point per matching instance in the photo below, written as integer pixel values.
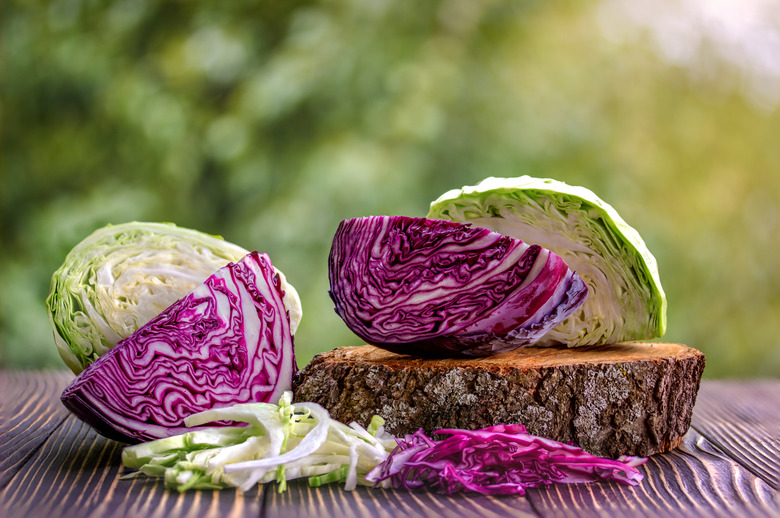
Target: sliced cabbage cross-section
(430, 287)
(625, 301)
(121, 276)
(227, 342)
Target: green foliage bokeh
(268, 122)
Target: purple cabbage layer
(437, 288)
(227, 342)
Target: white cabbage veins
(420, 286)
(227, 342)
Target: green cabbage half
(121, 276)
(625, 301)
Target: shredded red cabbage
(497, 460)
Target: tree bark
(622, 399)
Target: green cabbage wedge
(121, 276)
(625, 301)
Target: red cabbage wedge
(227, 342)
(432, 287)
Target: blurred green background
(268, 122)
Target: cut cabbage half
(625, 302)
(121, 276)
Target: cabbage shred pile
(497, 460)
(288, 441)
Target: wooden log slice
(622, 399)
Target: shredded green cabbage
(278, 443)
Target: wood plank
(31, 410)
(332, 500)
(743, 420)
(77, 474)
(63, 468)
(696, 479)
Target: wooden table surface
(52, 465)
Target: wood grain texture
(744, 421)
(301, 501)
(622, 399)
(694, 480)
(31, 410)
(77, 474)
(74, 472)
